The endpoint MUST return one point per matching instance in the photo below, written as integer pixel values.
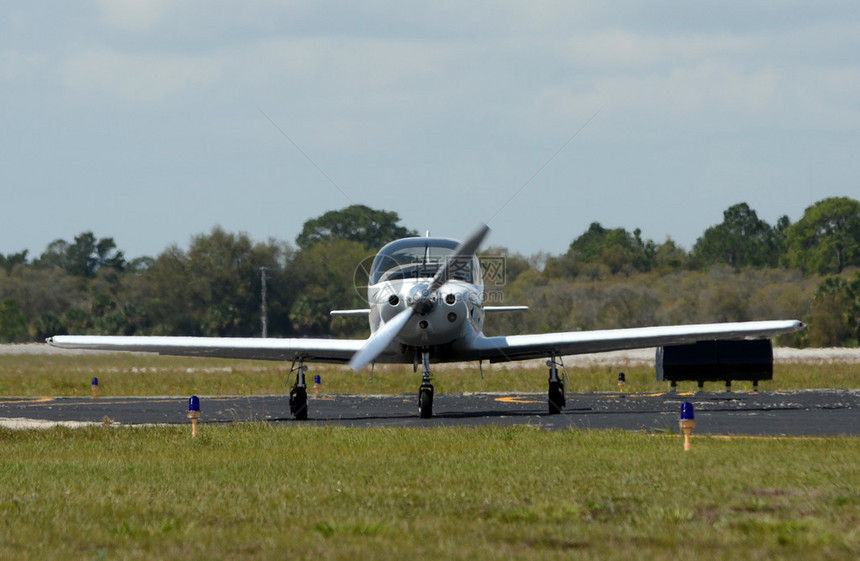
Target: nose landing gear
(425, 392)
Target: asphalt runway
(798, 413)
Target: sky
(154, 121)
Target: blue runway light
(194, 413)
(621, 378)
(687, 411)
(317, 379)
(95, 387)
(687, 422)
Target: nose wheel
(425, 392)
(425, 401)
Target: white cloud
(622, 48)
(358, 87)
(354, 63)
(133, 15)
(140, 78)
(440, 96)
(17, 67)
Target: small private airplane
(426, 297)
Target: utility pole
(264, 317)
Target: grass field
(275, 491)
(255, 490)
(127, 374)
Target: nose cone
(437, 320)
(420, 298)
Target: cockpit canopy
(421, 258)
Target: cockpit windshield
(419, 258)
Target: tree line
(740, 269)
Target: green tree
(827, 238)
(631, 304)
(42, 291)
(501, 267)
(77, 321)
(13, 322)
(742, 239)
(215, 287)
(48, 325)
(358, 223)
(617, 249)
(835, 317)
(330, 275)
(561, 266)
(139, 265)
(84, 257)
(54, 256)
(670, 256)
(8, 262)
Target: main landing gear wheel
(425, 402)
(299, 394)
(299, 403)
(556, 397)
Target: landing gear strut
(299, 394)
(555, 396)
(425, 392)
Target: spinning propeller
(380, 340)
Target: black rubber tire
(555, 398)
(425, 403)
(299, 404)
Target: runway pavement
(797, 413)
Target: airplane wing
(363, 312)
(521, 347)
(494, 349)
(336, 351)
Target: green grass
(128, 374)
(275, 491)
(254, 490)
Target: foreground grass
(129, 374)
(273, 491)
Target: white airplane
(426, 300)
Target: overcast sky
(153, 121)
